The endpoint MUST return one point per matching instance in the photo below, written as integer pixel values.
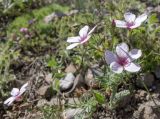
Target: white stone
(67, 82)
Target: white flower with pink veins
(131, 21)
(83, 37)
(123, 59)
(16, 94)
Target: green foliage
(51, 112)
(56, 85)
(89, 105)
(9, 7)
(118, 98)
(38, 15)
(99, 97)
(52, 62)
(7, 56)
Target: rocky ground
(139, 105)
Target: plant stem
(129, 35)
(83, 56)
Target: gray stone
(53, 16)
(71, 113)
(67, 82)
(157, 9)
(72, 12)
(78, 82)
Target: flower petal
(135, 25)
(115, 67)
(24, 30)
(72, 46)
(132, 67)
(121, 24)
(129, 17)
(84, 31)
(91, 31)
(86, 39)
(15, 92)
(141, 18)
(9, 101)
(135, 53)
(73, 39)
(122, 50)
(110, 57)
(23, 89)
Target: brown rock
(46, 91)
(147, 111)
(43, 102)
(42, 90)
(89, 79)
(143, 93)
(48, 78)
(70, 69)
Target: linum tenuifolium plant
(123, 59)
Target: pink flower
(131, 21)
(16, 94)
(123, 59)
(83, 37)
(24, 30)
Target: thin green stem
(83, 56)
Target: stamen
(123, 61)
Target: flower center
(83, 38)
(129, 24)
(123, 61)
(18, 98)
